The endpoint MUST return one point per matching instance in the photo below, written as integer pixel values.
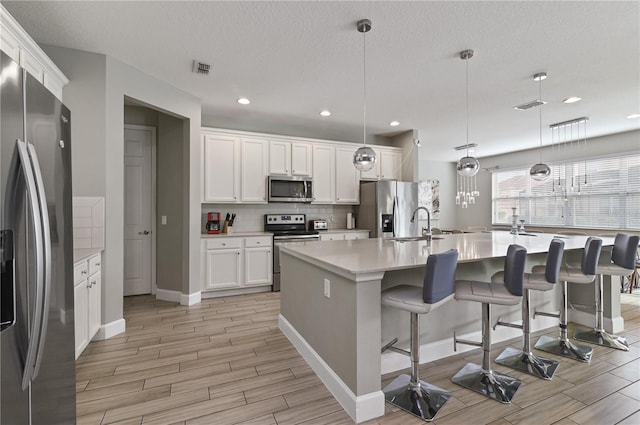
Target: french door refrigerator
(385, 208)
(36, 288)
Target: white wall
(445, 172)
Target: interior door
(138, 199)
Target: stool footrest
(528, 363)
(506, 324)
(600, 337)
(564, 348)
(422, 399)
(457, 341)
(388, 345)
(491, 384)
(544, 313)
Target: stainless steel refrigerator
(385, 208)
(36, 287)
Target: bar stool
(623, 257)
(584, 275)
(482, 379)
(544, 280)
(409, 392)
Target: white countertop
(84, 254)
(343, 231)
(378, 255)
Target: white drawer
(223, 243)
(94, 263)
(258, 242)
(80, 271)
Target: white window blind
(598, 193)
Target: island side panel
(344, 330)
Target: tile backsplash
(88, 222)
(250, 218)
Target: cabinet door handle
(97, 264)
(224, 244)
(84, 272)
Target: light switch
(327, 288)
(163, 219)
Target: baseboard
(429, 352)
(362, 408)
(190, 299)
(108, 330)
(168, 295)
(232, 292)
(588, 319)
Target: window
(596, 193)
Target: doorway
(139, 210)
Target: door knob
(146, 232)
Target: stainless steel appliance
(36, 302)
(290, 189)
(386, 207)
(318, 224)
(286, 228)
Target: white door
(138, 200)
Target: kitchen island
(331, 310)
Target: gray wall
(97, 91)
(409, 155)
(445, 172)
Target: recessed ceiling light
(394, 123)
(325, 113)
(540, 76)
(244, 101)
(632, 116)
(572, 99)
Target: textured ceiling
(293, 59)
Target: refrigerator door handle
(395, 214)
(34, 207)
(45, 255)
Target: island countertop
(379, 255)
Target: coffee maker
(213, 223)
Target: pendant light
(364, 159)
(540, 171)
(468, 166)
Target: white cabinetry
(356, 235)
(347, 177)
(332, 236)
(324, 180)
(290, 159)
(234, 169)
(16, 43)
(237, 262)
(87, 291)
(388, 166)
(340, 236)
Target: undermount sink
(415, 238)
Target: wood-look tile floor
(224, 361)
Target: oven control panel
(284, 219)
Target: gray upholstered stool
(584, 274)
(542, 280)
(623, 257)
(409, 392)
(482, 379)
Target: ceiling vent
(529, 105)
(201, 67)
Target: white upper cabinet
(221, 168)
(18, 45)
(387, 166)
(324, 174)
(347, 177)
(289, 158)
(255, 158)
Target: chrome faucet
(425, 232)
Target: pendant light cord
(467, 98)
(540, 110)
(364, 87)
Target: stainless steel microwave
(290, 189)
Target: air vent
(201, 67)
(529, 105)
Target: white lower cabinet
(87, 292)
(332, 236)
(356, 235)
(341, 236)
(237, 262)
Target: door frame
(154, 142)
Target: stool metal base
(423, 400)
(527, 363)
(492, 384)
(564, 348)
(601, 337)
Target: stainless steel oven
(290, 189)
(286, 228)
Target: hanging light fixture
(540, 171)
(364, 159)
(467, 166)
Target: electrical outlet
(164, 219)
(331, 218)
(327, 288)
